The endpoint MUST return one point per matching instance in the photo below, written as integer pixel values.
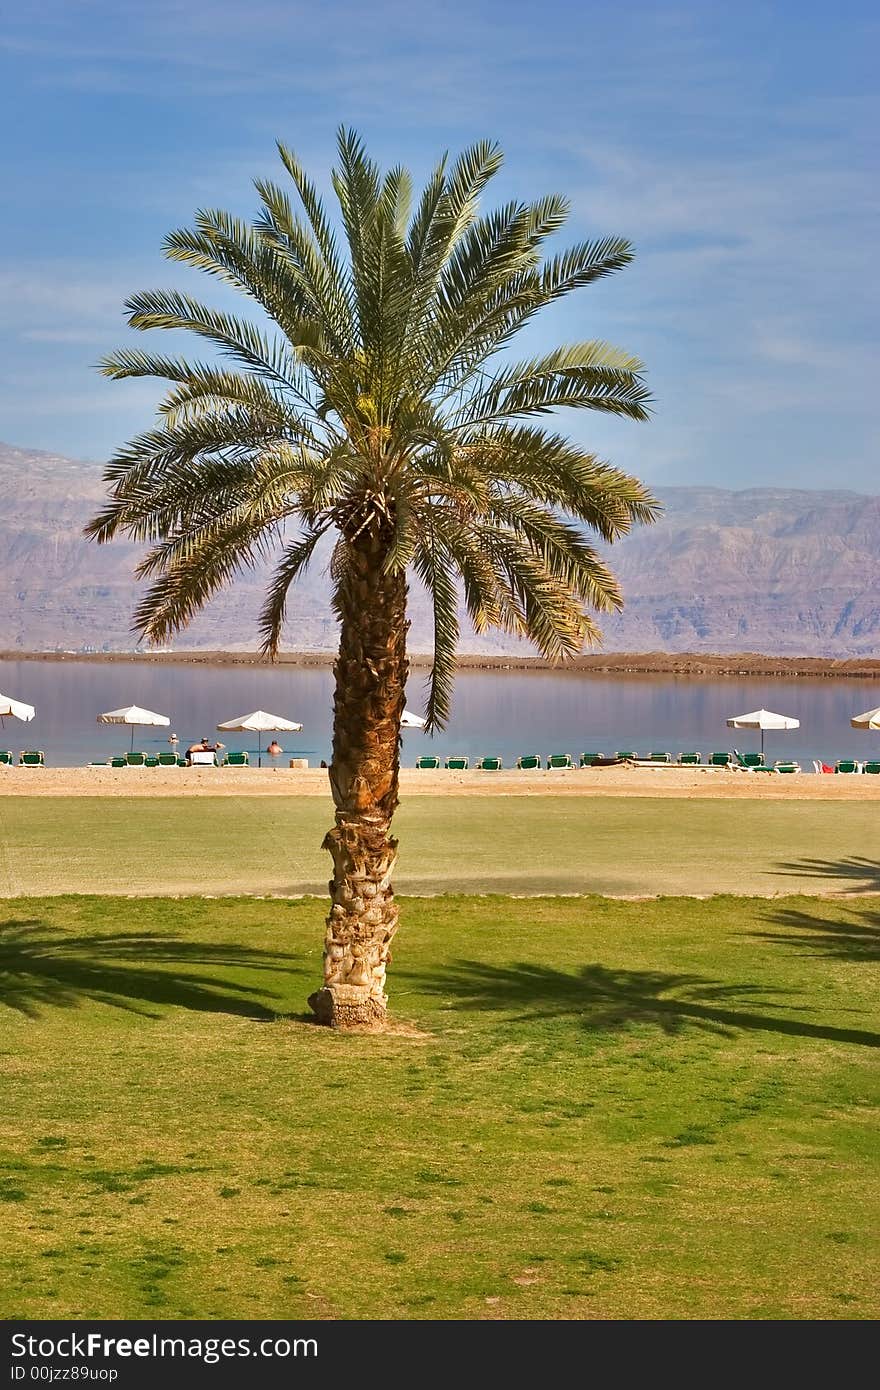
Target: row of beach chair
(533, 762)
(849, 766)
(528, 762)
(34, 757)
(169, 760)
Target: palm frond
(549, 468)
(183, 589)
(293, 563)
(233, 336)
(435, 568)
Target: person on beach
(203, 746)
(274, 749)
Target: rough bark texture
(370, 673)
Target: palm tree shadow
(41, 967)
(855, 938)
(603, 1000)
(858, 874)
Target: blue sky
(735, 144)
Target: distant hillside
(769, 570)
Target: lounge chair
(428, 762)
(203, 757)
(167, 760)
(660, 758)
(31, 757)
(181, 760)
(847, 765)
(587, 759)
(529, 762)
(751, 760)
(457, 764)
(6, 758)
(558, 761)
(236, 760)
(720, 759)
(627, 756)
(871, 767)
(690, 759)
(118, 762)
(786, 765)
(136, 759)
(151, 760)
(490, 764)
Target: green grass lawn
(455, 844)
(602, 1109)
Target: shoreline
(708, 666)
(576, 783)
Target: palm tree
(369, 402)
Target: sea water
(502, 713)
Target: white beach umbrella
(16, 709)
(869, 720)
(411, 721)
(260, 723)
(135, 716)
(763, 719)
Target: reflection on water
(495, 712)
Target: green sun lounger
(136, 759)
(871, 767)
(529, 762)
(720, 759)
(690, 759)
(167, 760)
(847, 765)
(457, 764)
(587, 759)
(660, 757)
(428, 762)
(6, 758)
(751, 759)
(629, 755)
(558, 761)
(490, 764)
(787, 766)
(31, 757)
(151, 760)
(117, 762)
(236, 760)
(181, 761)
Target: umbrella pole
(259, 748)
(132, 739)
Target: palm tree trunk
(370, 672)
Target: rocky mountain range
(780, 571)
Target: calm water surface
(497, 712)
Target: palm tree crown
(374, 399)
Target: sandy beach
(689, 783)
